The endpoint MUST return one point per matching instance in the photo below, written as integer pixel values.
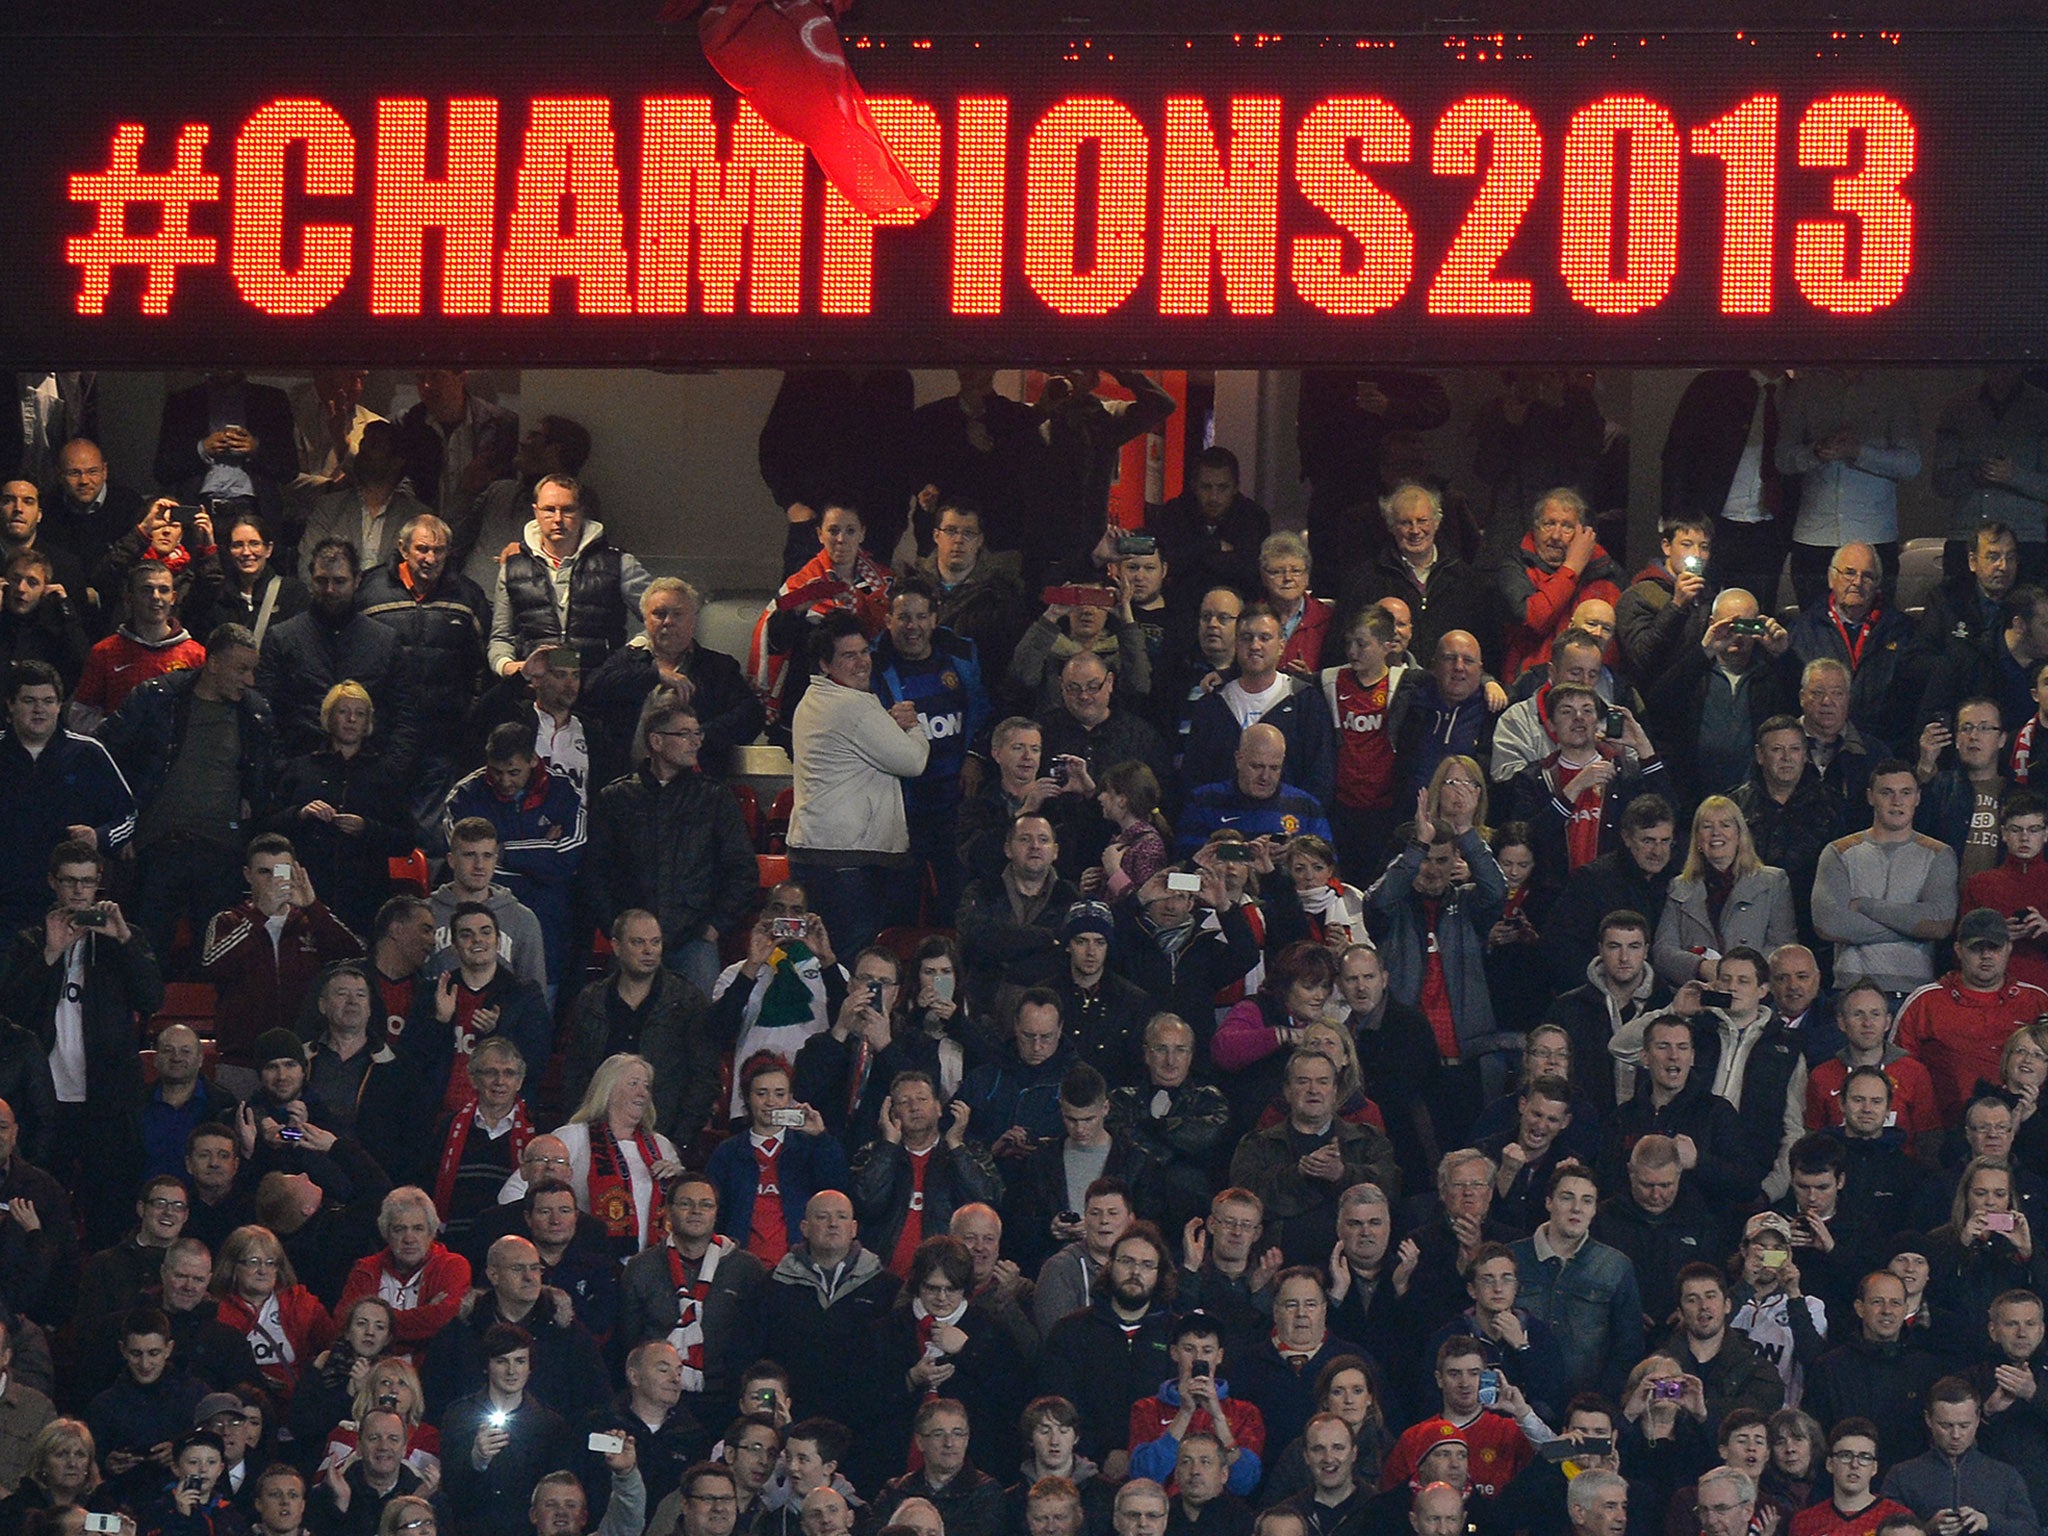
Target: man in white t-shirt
(1262, 694)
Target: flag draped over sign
(785, 57)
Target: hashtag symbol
(121, 186)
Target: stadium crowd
(1408, 1030)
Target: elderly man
(1560, 564)
(1257, 801)
(1450, 714)
(425, 1284)
(1414, 568)
(1299, 1168)
(1261, 694)
(666, 654)
(1854, 626)
(565, 582)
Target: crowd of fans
(1408, 1029)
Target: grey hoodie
(519, 942)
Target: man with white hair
(422, 1280)
(1413, 568)
(921, 1516)
(1724, 1500)
(1596, 1503)
(1141, 1508)
(666, 654)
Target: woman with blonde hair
(1725, 897)
(618, 1161)
(1986, 1247)
(63, 1472)
(2022, 1075)
(394, 1387)
(1457, 795)
(261, 1300)
(343, 807)
(1334, 1041)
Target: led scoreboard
(1235, 201)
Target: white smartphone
(103, 1525)
(609, 1445)
(942, 987)
(786, 1119)
(1183, 882)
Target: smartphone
(1198, 1368)
(786, 927)
(942, 987)
(1709, 999)
(1178, 881)
(291, 1133)
(765, 1397)
(1668, 1389)
(193, 1484)
(1059, 772)
(1137, 544)
(1774, 1258)
(609, 1445)
(1692, 565)
(1489, 1387)
(1998, 1221)
(874, 993)
(1080, 597)
(280, 871)
(388, 1400)
(1575, 1450)
(786, 1119)
(1617, 722)
(497, 1418)
(90, 917)
(102, 1525)
(1232, 853)
(1070, 1217)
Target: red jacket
(1959, 1034)
(1151, 1417)
(445, 1275)
(1540, 602)
(1914, 1109)
(1311, 636)
(262, 987)
(307, 1328)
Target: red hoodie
(2014, 886)
(417, 1313)
(1959, 1033)
(307, 1329)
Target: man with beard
(303, 657)
(1114, 1354)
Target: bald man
(1449, 715)
(1259, 800)
(568, 1371)
(1706, 710)
(1260, 693)
(822, 1317)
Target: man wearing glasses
(1856, 1506)
(1959, 803)
(710, 1503)
(114, 1279)
(697, 1291)
(1853, 625)
(669, 839)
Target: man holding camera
(1574, 798)
(1197, 1401)
(263, 953)
(1713, 698)
(1666, 604)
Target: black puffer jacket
(679, 849)
(675, 1037)
(304, 657)
(443, 635)
(727, 707)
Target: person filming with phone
(766, 1177)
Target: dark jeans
(1810, 564)
(857, 901)
(186, 877)
(1750, 556)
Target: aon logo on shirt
(939, 727)
(1356, 721)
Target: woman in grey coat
(1725, 896)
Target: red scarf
(611, 1185)
(2023, 751)
(458, 1137)
(1853, 647)
(688, 1334)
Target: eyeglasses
(1090, 689)
(255, 1263)
(679, 735)
(1233, 1224)
(1980, 728)
(425, 1522)
(550, 1162)
(1855, 1458)
(160, 1203)
(1856, 578)
(712, 1498)
(1284, 571)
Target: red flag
(785, 57)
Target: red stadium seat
(774, 869)
(187, 1002)
(778, 820)
(903, 942)
(410, 870)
